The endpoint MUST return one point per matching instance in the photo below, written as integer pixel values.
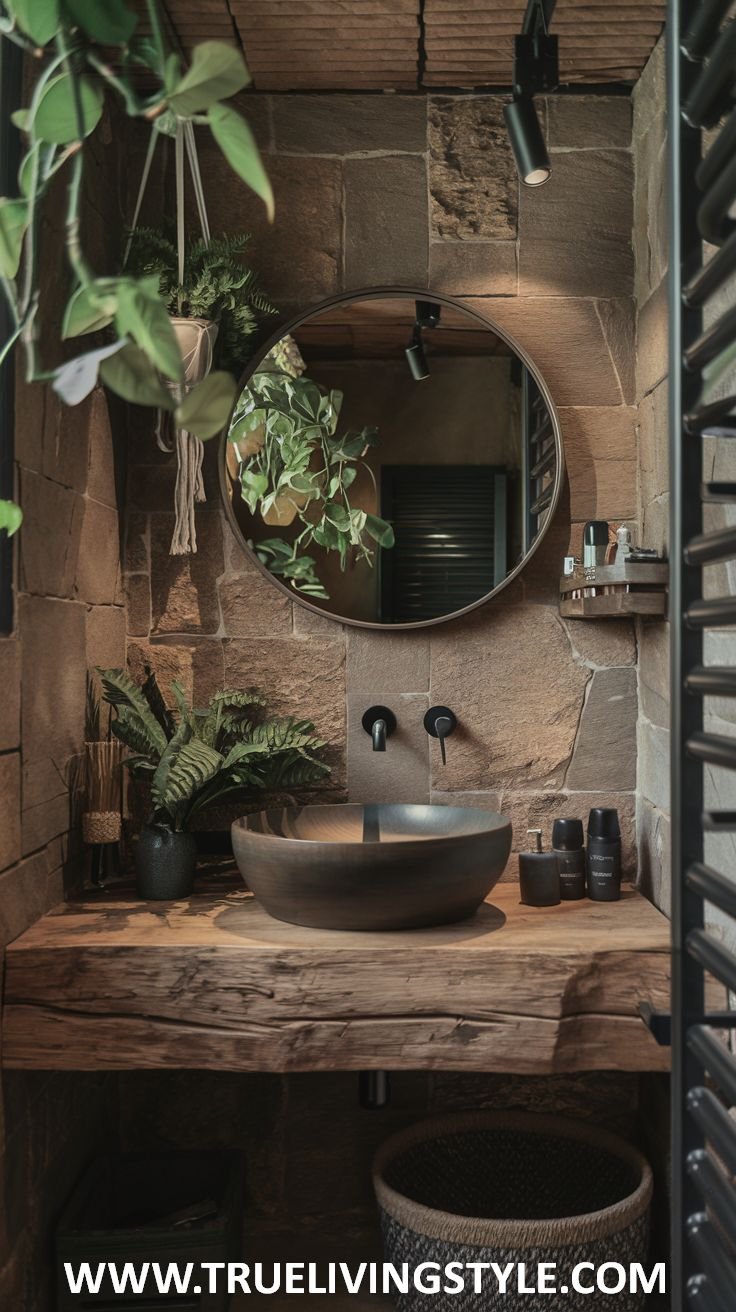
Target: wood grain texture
(216, 984)
(375, 44)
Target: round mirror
(393, 459)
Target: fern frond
(231, 698)
(160, 779)
(119, 690)
(154, 697)
(194, 766)
(129, 728)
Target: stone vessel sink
(371, 867)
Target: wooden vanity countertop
(111, 983)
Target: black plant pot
(165, 863)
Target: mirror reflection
(392, 459)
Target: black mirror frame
(412, 293)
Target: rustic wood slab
(214, 983)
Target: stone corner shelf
(216, 984)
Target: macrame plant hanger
(196, 339)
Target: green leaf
(120, 691)
(39, 19)
(13, 222)
(111, 23)
(11, 517)
(88, 310)
(206, 409)
(76, 379)
(159, 782)
(130, 374)
(217, 71)
(19, 118)
(142, 316)
(236, 141)
(379, 530)
(56, 119)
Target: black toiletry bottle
(604, 855)
(568, 845)
(539, 875)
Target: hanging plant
(85, 51)
(217, 287)
(295, 467)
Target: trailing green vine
(296, 468)
(85, 50)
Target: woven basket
(511, 1187)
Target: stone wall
(650, 249)
(69, 617)
(423, 192)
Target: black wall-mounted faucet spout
(380, 723)
(440, 722)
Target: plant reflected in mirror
(374, 500)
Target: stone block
(600, 455)
(656, 525)
(588, 122)
(324, 125)
(151, 487)
(654, 673)
(101, 483)
(252, 606)
(650, 93)
(305, 679)
(98, 564)
(605, 746)
(397, 662)
(48, 805)
(137, 555)
(474, 268)
(52, 514)
(54, 665)
(655, 860)
(654, 765)
(566, 340)
(311, 623)
(22, 897)
(138, 604)
(401, 773)
(105, 636)
(10, 803)
(575, 232)
(298, 257)
(653, 444)
(473, 183)
(505, 737)
(650, 206)
(619, 322)
(10, 701)
(379, 249)
(602, 643)
(651, 351)
(196, 663)
(184, 588)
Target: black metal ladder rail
(701, 59)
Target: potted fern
(219, 294)
(193, 759)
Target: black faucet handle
(440, 722)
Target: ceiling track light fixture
(427, 316)
(536, 69)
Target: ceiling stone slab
(378, 45)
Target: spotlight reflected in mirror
(416, 357)
(527, 141)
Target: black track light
(416, 357)
(527, 142)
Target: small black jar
(568, 845)
(604, 855)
